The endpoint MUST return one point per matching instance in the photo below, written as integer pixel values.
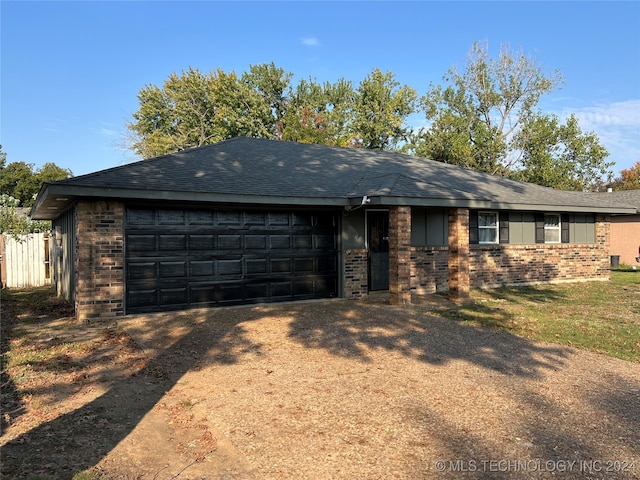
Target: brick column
(458, 254)
(399, 255)
(603, 243)
(99, 260)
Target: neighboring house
(254, 220)
(625, 229)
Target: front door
(378, 249)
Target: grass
(601, 317)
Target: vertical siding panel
(25, 261)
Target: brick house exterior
(625, 229)
(133, 239)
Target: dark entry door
(378, 244)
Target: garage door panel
(324, 242)
(200, 217)
(142, 298)
(229, 267)
(173, 296)
(327, 264)
(229, 242)
(255, 266)
(255, 242)
(202, 242)
(228, 218)
(304, 265)
(257, 291)
(181, 258)
(278, 219)
(302, 242)
(141, 216)
(231, 292)
(141, 243)
(281, 289)
(280, 265)
(279, 242)
(142, 270)
(173, 269)
(171, 217)
(169, 243)
(202, 268)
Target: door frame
(369, 265)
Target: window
(488, 227)
(552, 229)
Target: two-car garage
(179, 258)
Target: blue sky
(71, 71)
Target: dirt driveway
(351, 390)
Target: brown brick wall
(99, 260)
(520, 264)
(495, 265)
(429, 269)
(399, 255)
(355, 273)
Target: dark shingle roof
(624, 197)
(257, 171)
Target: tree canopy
(629, 178)
(21, 181)
(485, 117)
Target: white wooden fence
(25, 261)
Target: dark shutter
(564, 228)
(474, 236)
(504, 227)
(539, 217)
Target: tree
(560, 155)
(21, 182)
(629, 178)
(487, 118)
(381, 109)
(195, 109)
(18, 181)
(319, 114)
(15, 224)
(3, 158)
(272, 83)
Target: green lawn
(602, 317)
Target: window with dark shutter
(504, 227)
(474, 237)
(564, 228)
(539, 218)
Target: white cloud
(310, 42)
(625, 113)
(617, 125)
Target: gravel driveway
(352, 390)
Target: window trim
(554, 228)
(495, 228)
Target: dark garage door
(181, 258)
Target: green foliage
(17, 223)
(20, 181)
(382, 106)
(319, 114)
(560, 155)
(195, 109)
(486, 119)
(19, 185)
